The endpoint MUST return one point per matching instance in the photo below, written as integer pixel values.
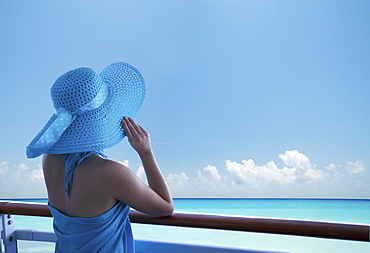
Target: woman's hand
(137, 136)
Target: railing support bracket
(8, 234)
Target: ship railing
(328, 230)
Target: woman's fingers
(132, 129)
(143, 130)
(131, 125)
(136, 128)
(125, 125)
(137, 136)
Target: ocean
(335, 210)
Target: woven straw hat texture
(99, 128)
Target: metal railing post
(8, 233)
(1, 233)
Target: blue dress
(108, 233)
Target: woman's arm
(155, 199)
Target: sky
(251, 99)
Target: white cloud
(293, 158)
(331, 167)
(22, 166)
(254, 176)
(3, 167)
(21, 181)
(297, 177)
(355, 167)
(214, 172)
(304, 170)
(178, 180)
(208, 180)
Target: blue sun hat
(89, 109)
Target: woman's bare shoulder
(110, 169)
(115, 179)
(51, 159)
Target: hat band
(64, 119)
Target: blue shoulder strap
(73, 160)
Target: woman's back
(89, 193)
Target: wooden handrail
(236, 223)
(24, 208)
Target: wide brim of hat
(101, 128)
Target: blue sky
(244, 98)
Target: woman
(90, 195)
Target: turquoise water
(340, 210)
(337, 210)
